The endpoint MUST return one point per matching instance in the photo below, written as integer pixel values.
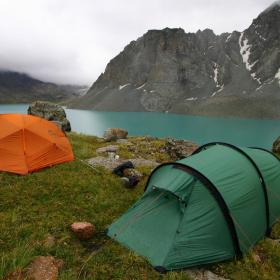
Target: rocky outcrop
(276, 146)
(178, 149)
(50, 112)
(195, 73)
(112, 134)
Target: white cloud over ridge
(71, 41)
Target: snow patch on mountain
(277, 76)
(245, 51)
(141, 86)
(216, 73)
(121, 87)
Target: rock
(129, 172)
(49, 241)
(139, 162)
(276, 146)
(257, 258)
(108, 149)
(83, 230)
(124, 142)
(50, 112)
(125, 181)
(105, 162)
(111, 163)
(178, 149)
(202, 274)
(276, 242)
(44, 268)
(112, 134)
(18, 274)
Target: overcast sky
(71, 41)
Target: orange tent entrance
(29, 143)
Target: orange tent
(29, 143)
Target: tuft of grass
(49, 201)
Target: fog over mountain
(70, 42)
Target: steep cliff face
(170, 70)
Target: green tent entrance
(211, 206)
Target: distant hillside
(19, 88)
(232, 74)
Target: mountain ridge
(17, 87)
(171, 70)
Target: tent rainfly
(29, 143)
(211, 206)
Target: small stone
(257, 258)
(49, 241)
(125, 181)
(202, 274)
(83, 230)
(44, 268)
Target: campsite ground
(47, 202)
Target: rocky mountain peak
(171, 70)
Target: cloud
(71, 41)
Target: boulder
(112, 134)
(276, 146)
(50, 112)
(83, 230)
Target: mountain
(19, 88)
(232, 74)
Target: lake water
(242, 132)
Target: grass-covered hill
(49, 201)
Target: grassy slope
(47, 202)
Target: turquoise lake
(242, 132)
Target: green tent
(211, 206)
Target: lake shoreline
(199, 129)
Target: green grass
(48, 201)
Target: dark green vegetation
(47, 202)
